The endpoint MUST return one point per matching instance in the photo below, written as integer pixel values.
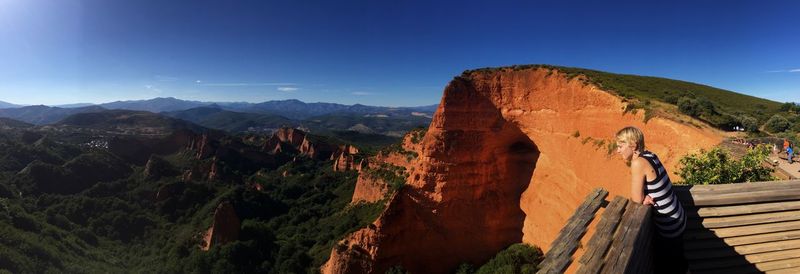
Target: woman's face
(625, 150)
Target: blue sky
(390, 53)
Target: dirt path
(793, 169)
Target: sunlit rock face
(507, 158)
(225, 228)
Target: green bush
(749, 123)
(777, 124)
(688, 106)
(717, 166)
(517, 258)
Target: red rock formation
(294, 137)
(213, 174)
(316, 150)
(207, 170)
(201, 146)
(500, 164)
(370, 189)
(225, 228)
(344, 158)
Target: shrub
(517, 258)
(749, 123)
(688, 106)
(777, 124)
(716, 166)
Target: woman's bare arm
(637, 179)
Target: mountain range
(248, 117)
(293, 108)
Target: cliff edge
(509, 155)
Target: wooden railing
(743, 228)
(620, 244)
(731, 228)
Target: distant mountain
(215, 117)
(155, 105)
(128, 121)
(396, 125)
(8, 105)
(294, 109)
(297, 109)
(11, 123)
(430, 109)
(40, 115)
(78, 105)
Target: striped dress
(669, 217)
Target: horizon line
(206, 102)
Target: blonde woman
(650, 185)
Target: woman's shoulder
(639, 162)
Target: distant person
(789, 153)
(785, 144)
(650, 185)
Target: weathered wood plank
(740, 220)
(740, 230)
(793, 270)
(776, 265)
(742, 250)
(597, 246)
(642, 257)
(742, 209)
(738, 187)
(742, 240)
(625, 240)
(775, 195)
(560, 254)
(619, 236)
(745, 259)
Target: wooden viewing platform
(731, 228)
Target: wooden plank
(742, 240)
(743, 269)
(642, 258)
(622, 248)
(742, 209)
(744, 260)
(738, 187)
(781, 264)
(740, 220)
(726, 232)
(793, 270)
(775, 195)
(619, 236)
(560, 254)
(597, 246)
(742, 250)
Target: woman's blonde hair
(631, 135)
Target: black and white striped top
(669, 216)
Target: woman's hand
(648, 200)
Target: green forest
(73, 208)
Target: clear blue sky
(391, 53)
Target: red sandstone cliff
(225, 228)
(500, 164)
(370, 188)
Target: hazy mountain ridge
(7, 105)
(41, 114)
(291, 108)
(323, 118)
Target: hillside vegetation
(66, 207)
